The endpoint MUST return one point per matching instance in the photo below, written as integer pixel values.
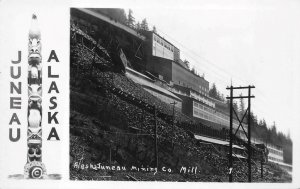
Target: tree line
(267, 133)
(126, 19)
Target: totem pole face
(34, 118)
(34, 153)
(34, 44)
(34, 136)
(34, 47)
(35, 104)
(35, 92)
(34, 72)
(34, 51)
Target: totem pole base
(35, 170)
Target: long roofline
(154, 87)
(115, 23)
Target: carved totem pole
(34, 168)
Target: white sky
(252, 42)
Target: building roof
(147, 82)
(238, 156)
(112, 22)
(216, 141)
(280, 163)
(211, 140)
(237, 146)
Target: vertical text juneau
(15, 100)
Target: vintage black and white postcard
(99, 92)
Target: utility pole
(143, 124)
(173, 124)
(261, 166)
(155, 131)
(248, 135)
(110, 146)
(262, 161)
(230, 135)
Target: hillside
(112, 132)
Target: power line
(223, 71)
(262, 97)
(191, 53)
(199, 56)
(228, 74)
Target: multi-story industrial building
(149, 54)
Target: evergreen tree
(274, 133)
(213, 91)
(138, 26)
(289, 134)
(264, 124)
(144, 25)
(114, 13)
(253, 119)
(121, 16)
(193, 70)
(222, 97)
(242, 105)
(154, 29)
(187, 63)
(273, 128)
(130, 19)
(235, 107)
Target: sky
(246, 42)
